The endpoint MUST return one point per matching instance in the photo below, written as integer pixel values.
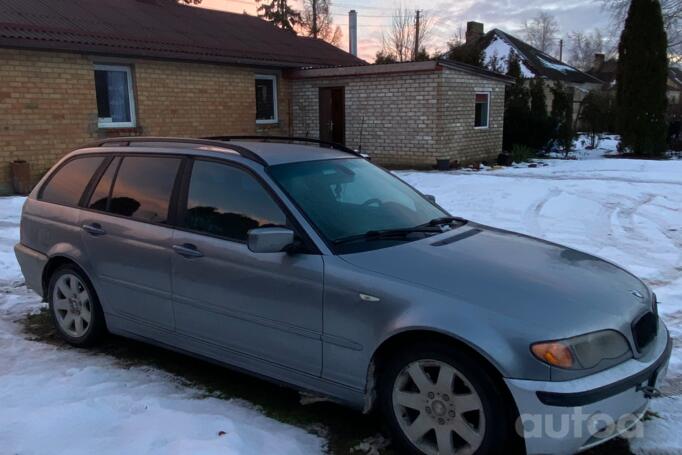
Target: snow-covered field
(55, 400)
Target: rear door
(266, 306)
(126, 232)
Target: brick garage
(183, 71)
(406, 114)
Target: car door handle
(94, 229)
(187, 250)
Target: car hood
(535, 281)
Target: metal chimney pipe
(353, 32)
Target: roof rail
(127, 141)
(331, 145)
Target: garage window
(266, 99)
(115, 101)
(481, 119)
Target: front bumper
(571, 416)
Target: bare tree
(541, 31)
(317, 21)
(399, 41)
(672, 20)
(583, 46)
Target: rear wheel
(441, 402)
(74, 307)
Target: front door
(333, 115)
(266, 306)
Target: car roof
(264, 153)
(274, 153)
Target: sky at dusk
(374, 16)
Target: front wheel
(441, 402)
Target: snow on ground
(627, 211)
(67, 401)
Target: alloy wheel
(438, 409)
(72, 305)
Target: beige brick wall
(48, 104)
(459, 139)
(408, 119)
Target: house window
(115, 102)
(482, 116)
(266, 99)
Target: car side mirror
(430, 197)
(270, 239)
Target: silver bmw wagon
(310, 266)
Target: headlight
(582, 352)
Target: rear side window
(143, 188)
(67, 185)
(228, 202)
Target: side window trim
(94, 181)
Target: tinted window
(100, 196)
(227, 202)
(143, 188)
(67, 185)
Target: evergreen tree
(562, 116)
(279, 13)
(471, 54)
(540, 125)
(596, 113)
(384, 57)
(641, 80)
(517, 108)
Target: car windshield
(352, 197)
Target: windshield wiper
(388, 233)
(444, 220)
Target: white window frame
(102, 122)
(487, 123)
(273, 78)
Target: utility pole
(416, 36)
(314, 2)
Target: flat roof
(397, 68)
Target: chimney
(353, 32)
(474, 32)
(598, 61)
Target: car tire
(462, 412)
(74, 307)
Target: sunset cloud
(374, 17)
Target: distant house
(77, 70)
(605, 70)
(496, 46)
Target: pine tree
(540, 125)
(517, 108)
(562, 116)
(641, 80)
(279, 13)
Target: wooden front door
(332, 115)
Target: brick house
(404, 114)
(75, 70)
(495, 47)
